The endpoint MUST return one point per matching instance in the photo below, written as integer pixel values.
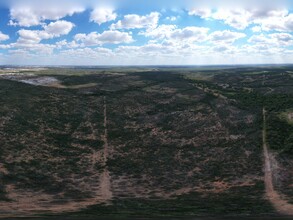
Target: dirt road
(105, 178)
(281, 205)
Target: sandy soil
(106, 178)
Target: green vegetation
(182, 141)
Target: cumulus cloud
(273, 20)
(5, 46)
(30, 36)
(162, 31)
(227, 49)
(64, 44)
(237, 18)
(240, 18)
(181, 35)
(147, 51)
(132, 21)
(275, 39)
(282, 38)
(92, 53)
(221, 48)
(256, 29)
(32, 15)
(59, 28)
(226, 36)
(102, 15)
(172, 18)
(3, 37)
(201, 12)
(107, 37)
(54, 29)
(27, 48)
(190, 33)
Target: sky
(145, 32)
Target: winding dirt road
(281, 205)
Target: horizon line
(159, 65)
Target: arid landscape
(146, 141)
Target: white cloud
(148, 51)
(107, 37)
(35, 14)
(92, 53)
(59, 28)
(102, 15)
(256, 29)
(172, 18)
(162, 31)
(54, 29)
(156, 48)
(5, 46)
(226, 36)
(29, 36)
(259, 39)
(172, 33)
(64, 43)
(283, 22)
(272, 40)
(240, 18)
(237, 18)
(264, 50)
(273, 20)
(201, 12)
(282, 38)
(41, 49)
(3, 37)
(222, 48)
(133, 21)
(169, 53)
(289, 22)
(227, 49)
(190, 34)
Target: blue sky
(146, 32)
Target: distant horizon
(163, 65)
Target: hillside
(144, 141)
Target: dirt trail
(28, 203)
(281, 205)
(105, 178)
